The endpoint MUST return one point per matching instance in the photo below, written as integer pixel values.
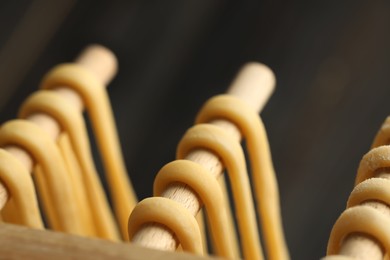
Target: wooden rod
(361, 246)
(97, 59)
(18, 242)
(254, 85)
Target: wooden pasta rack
(204, 152)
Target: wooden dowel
(97, 59)
(362, 246)
(254, 85)
(18, 242)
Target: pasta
(363, 219)
(207, 188)
(23, 199)
(212, 138)
(266, 188)
(94, 202)
(97, 103)
(58, 184)
(171, 214)
(369, 187)
(215, 139)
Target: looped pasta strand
(21, 188)
(360, 219)
(266, 188)
(30, 137)
(98, 106)
(364, 219)
(374, 189)
(207, 188)
(170, 214)
(72, 123)
(205, 136)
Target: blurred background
(331, 60)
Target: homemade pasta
(207, 188)
(360, 218)
(22, 207)
(263, 174)
(215, 139)
(88, 187)
(97, 104)
(58, 188)
(172, 215)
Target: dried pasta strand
(207, 188)
(213, 138)
(266, 188)
(362, 219)
(202, 228)
(375, 189)
(365, 219)
(22, 193)
(230, 229)
(75, 174)
(46, 200)
(170, 214)
(372, 161)
(72, 123)
(383, 135)
(45, 152)
(98, 106)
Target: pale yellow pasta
(36, 104)
(206, 136)
(170, 214)
(231, 228)
(376, 159)
(87, 185)
(22, 207)
(364, 219)
(43, 190)
(97, 105)
(247, 120)
(360, 219)
(374, 189)
(75, 174)
(207, 188)
(382, 137)
(45, 152)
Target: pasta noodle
(76, 176)
(72, 123)
(363, 219)
(215, 139)
(267, 195)
(212, 138)
(59, 191)
(97, 103)
(207, 188)
(360, 218)
(171, 214)
(23, 199)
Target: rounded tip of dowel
(99, 60)
(254, 83)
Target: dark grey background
(331, 60)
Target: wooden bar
(17, 242)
